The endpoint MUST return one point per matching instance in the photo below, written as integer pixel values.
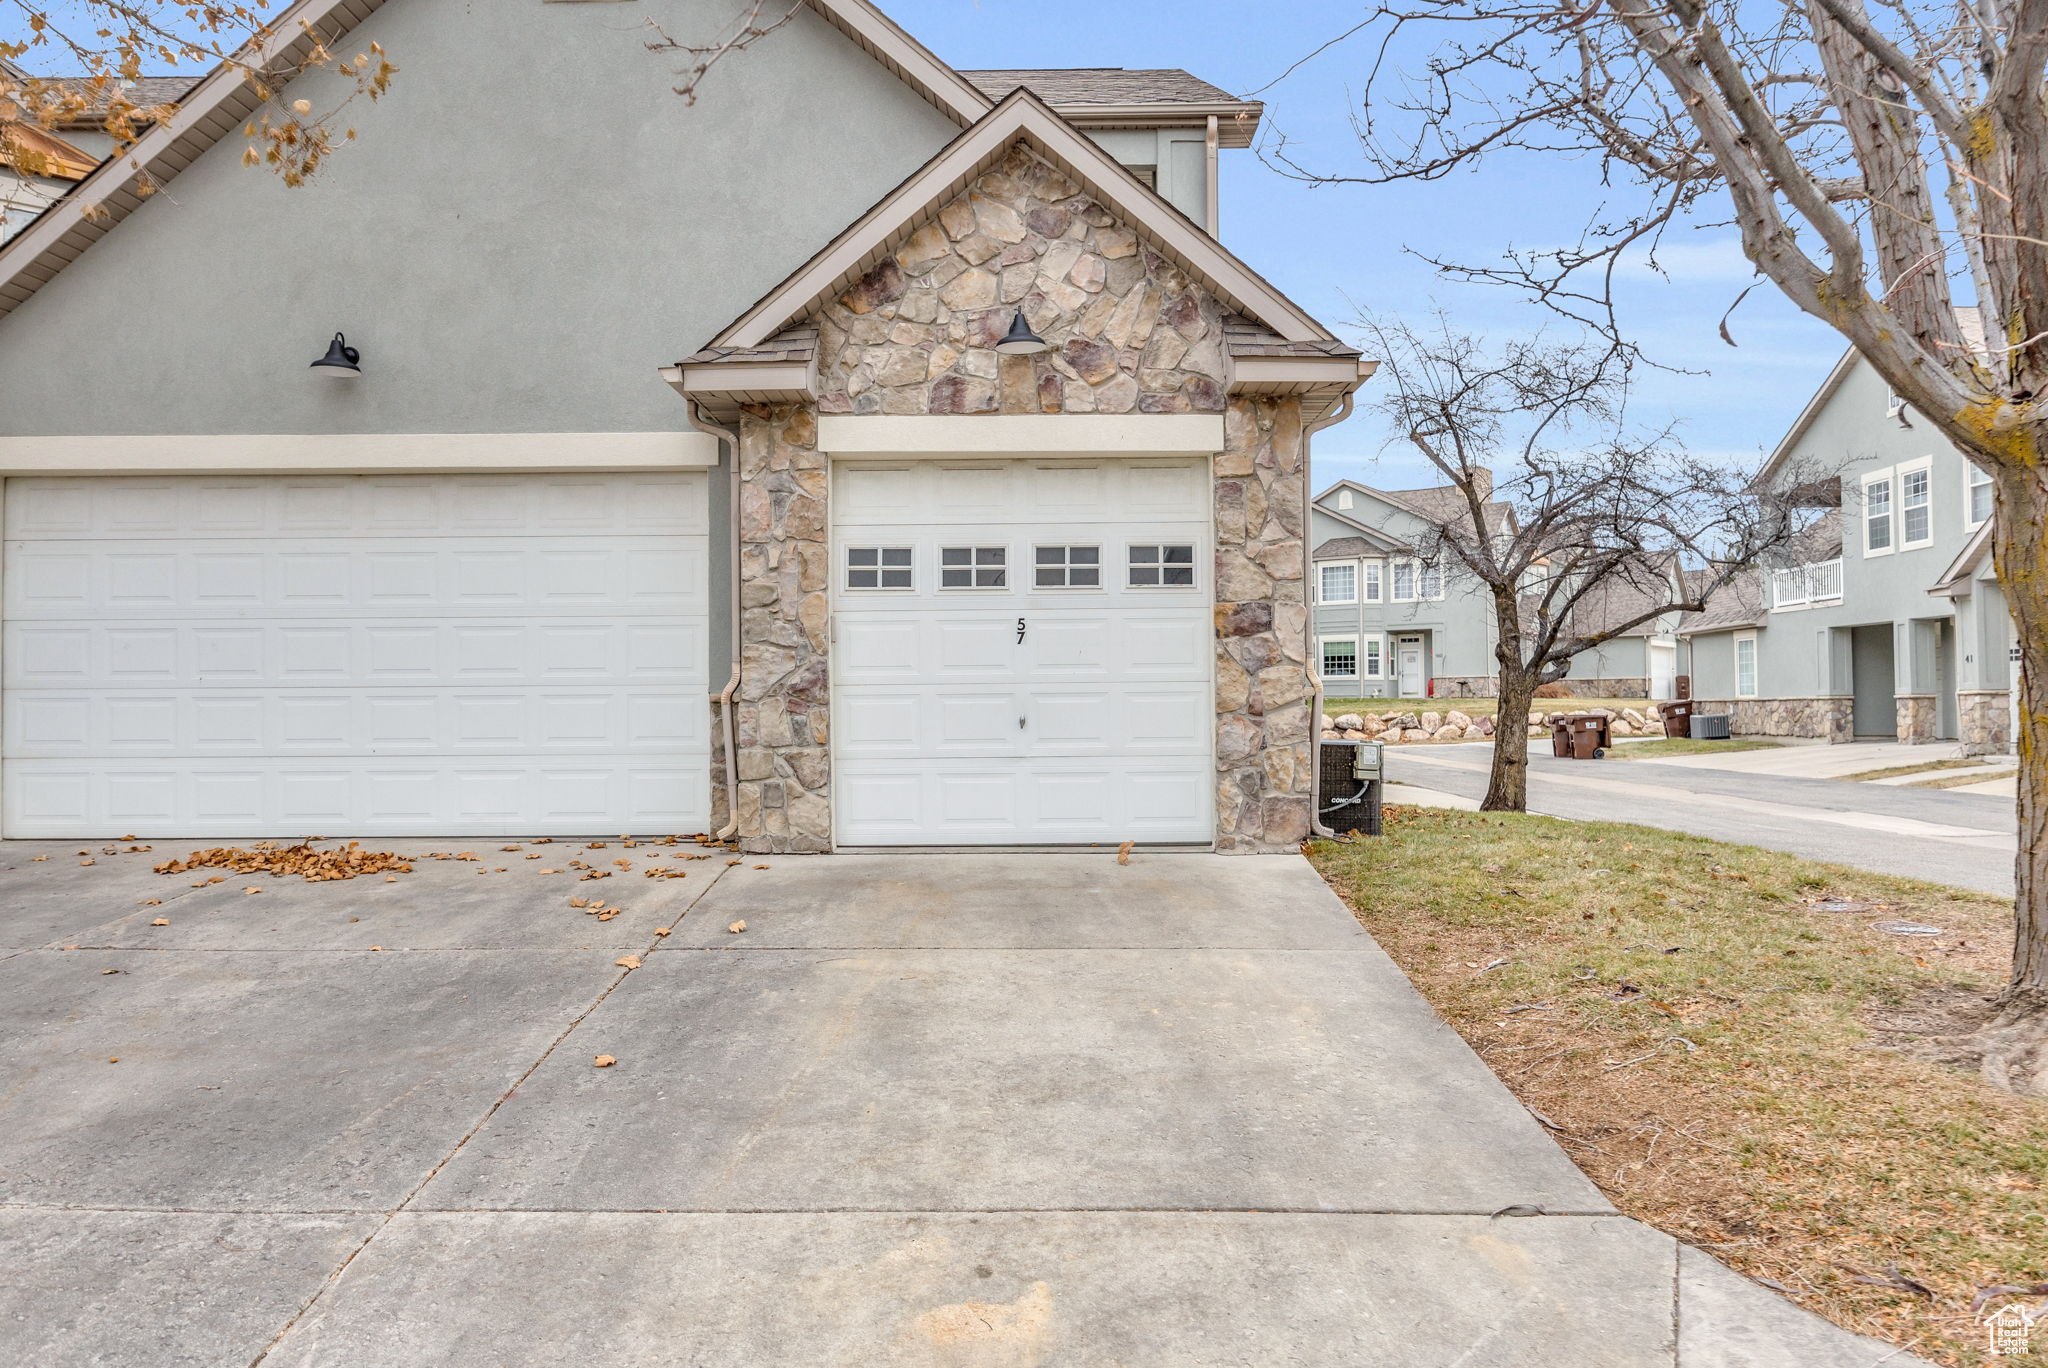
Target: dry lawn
(1684, 745)
(1727, 1049)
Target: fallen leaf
(548, 871)
(252, 889)
(627, 961)
(152, 902)
(161, 921)
(734, 862)
(38, 859)
(579, 902)
(87, 862)
(110, 971)
(509, 847)
(604, 1061)
(113, 1059)
(737, 927)
(661, 930)
(376, 947)
(390, 878)
(1123, 852)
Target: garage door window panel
(1162, 565)
(1067, 567)
(974, 567)
(878, 567)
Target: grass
(1477, 707)
(1709, 1043)
(1958, 780)
(1683, 745)
(1926, 767)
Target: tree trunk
(2011, 1049)
(1507, 787)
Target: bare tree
(1611, 528)
(1883, 160)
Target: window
(1976, 496)
(1432, 581)
(1877, 514)
(1415, 580)
(973, 567)
(1343, 498)
(1340, 658)
(1916, 511)
(1168, 566)
(1069, 567)
(1337, 583)
(1404, 581)
(1375, 658)
(878, 567)
(1745, 665)
(1375, 573)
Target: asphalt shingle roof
(1101, 85)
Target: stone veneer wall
(1915, 713)
(1263, 774)
(1984, 721)
(1618, 686)
(1827, 718)
(782, 709)
(1129, 332)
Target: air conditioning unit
(1710, 726)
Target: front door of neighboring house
(1409, 661)
(1663, 670)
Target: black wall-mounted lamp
(1020, 340)
(342, 361)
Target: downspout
(1315, 674)
(729, 443)
(1215, 197)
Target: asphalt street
(1966, 840)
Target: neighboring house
(866, 567)
(39, 165)
(1636, 661)
(1397, 617)
(1394, 615)
(1888, 622)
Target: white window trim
(1376, 580)
(1755, 665)
(972, 568)
(1891, 512)
(1379, 670)
(1194, 569)
(1902, 470)
(846, 567)
(1356, 576)
(1358, 655)
(1066, 548)
(1416, 564)
(1972, 477)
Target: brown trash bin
(1561, 739)
(1589, 735)
(1677, 717)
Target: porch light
(1020, 340)
(342, 361)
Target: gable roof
(1021, 117)
(1372, 541)
(222, 102)
(1969, 322)
(1738, 603)
(1112, 97)
(1436, 504)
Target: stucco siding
(526, 228)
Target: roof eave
(1237, 121)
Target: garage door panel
(242, 656)
(196, 654)
(1111, 683)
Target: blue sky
(1342, 249)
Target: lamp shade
(1020, 340)
(342, 361)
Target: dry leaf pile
(314, 866)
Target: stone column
(1915, 713)
(785, 768)
(1984, 721)
(1262, 689)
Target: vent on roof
(1147, 174)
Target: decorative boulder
(1354, 735)
(1449, 731)
(1454, 718)
(1350, 722)
(1412, 734)
(1373, 726)
(1620, 727)
(1485, 725)
(1632, 717)
(1431, 721)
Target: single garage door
(344, 655)
(1023, 652)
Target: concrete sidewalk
(956, 1110)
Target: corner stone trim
(783, 715)
(1263, 774)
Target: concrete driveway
(948, 1110)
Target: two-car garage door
(1022, 652)
(375, 655)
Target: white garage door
(1022, 653)
(376, 655)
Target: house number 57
(1020, 631)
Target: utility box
(1677, 717)
(1352, 781)
(1709, 727)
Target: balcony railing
(1801, 585)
